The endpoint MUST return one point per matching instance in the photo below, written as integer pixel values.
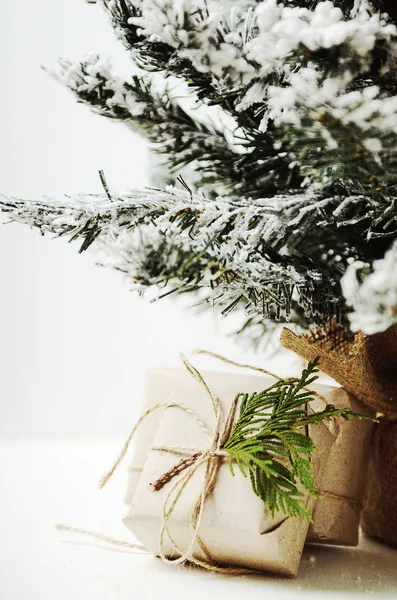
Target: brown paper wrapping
(379, 516)
(337, 514)
(367, 367)
(159, 385)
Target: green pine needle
(267, 442)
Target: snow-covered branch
(372, 293)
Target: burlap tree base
(379, 514)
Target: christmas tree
(277, 125)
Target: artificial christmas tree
(284, 202)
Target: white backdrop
(75, 343)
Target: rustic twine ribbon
(258, 369)
(101, 537)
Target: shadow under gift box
(236, 527)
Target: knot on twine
(184, 463)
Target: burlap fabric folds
(366, 366)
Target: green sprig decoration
(267, 442)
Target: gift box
(236, 528)
(366, 366)
(337, 514)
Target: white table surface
(43, 483)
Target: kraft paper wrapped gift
(236, 528)
(337, 515)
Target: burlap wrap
(366, 367)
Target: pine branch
(182, 242)
(339, 138)
(277, 160)
(235, 254)
(167, 126)
(251, 167)
(266, 442)
(264, 169)
(153, 54)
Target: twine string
(143, 417)
(212, 460)
(259, 369)
(341, 498)
(100, 537)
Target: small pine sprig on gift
(266, 442)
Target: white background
(75, 342)
(75, 345)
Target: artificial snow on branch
(158, 116)
(372, 293)
(184, 242)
